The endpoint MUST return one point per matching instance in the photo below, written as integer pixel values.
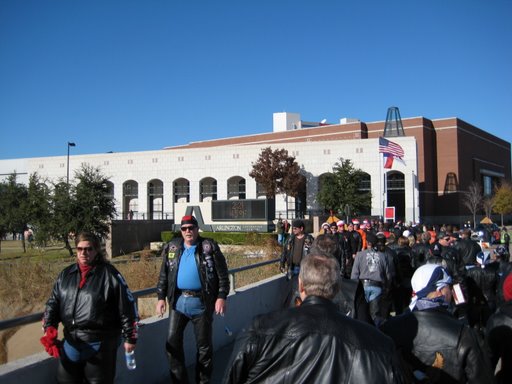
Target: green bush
(240, 238)
(228, 238)
(167, 236)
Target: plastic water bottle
(131, 364)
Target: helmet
(501, 250)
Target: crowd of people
(365, 302)
(435, 290)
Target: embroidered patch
(207, 247)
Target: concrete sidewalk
(220, 362)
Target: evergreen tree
(341, 188)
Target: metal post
(67, 170)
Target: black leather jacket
(432, 341)
(499, 341)
(213, 272)
(104, 307)
(287, 254)
(419, 253)
(468, 250)
(313, 343)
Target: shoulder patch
(207, 247)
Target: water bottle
(130, 360)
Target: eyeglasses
(185, 229)
(84, 249)
(447, 239)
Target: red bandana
(84, 270)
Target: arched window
(110, 189)
(236, 188)
(155, 199)
(396, 193)
(130, 199)
(365, 184)
(181, 191)
(260, 191)
(208, 189)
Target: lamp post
(67, 176)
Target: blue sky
(126, 75)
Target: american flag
(391, 151)
(386, 146)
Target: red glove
(50, 342)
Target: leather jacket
(212, 267)
(468, 250)
(419, 253)
(104, 307)
(435, 343)
(499, 341)
(287, 254)
(313, 343)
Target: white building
(162, 183)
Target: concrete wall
(152, 364)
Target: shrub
(167, 236)
(240, 238)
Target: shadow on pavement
(220, 362)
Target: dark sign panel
(243, 210)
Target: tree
(277, 172)
(472, 199)
(86, 206)
(62, 213)
(38, 209)
(341, 188)
(488, 205)
(13, 217)
(503, 200)
(94, 206)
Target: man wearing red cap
(194, 280)
(499, 335)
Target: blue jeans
(372, 292)
(190, 306)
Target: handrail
(35, 317)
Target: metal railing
(35, 317)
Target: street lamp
(69, 145)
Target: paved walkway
(220, 362)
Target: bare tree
(488, 205)
(473, 198)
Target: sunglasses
(84, 249)
(185, 229)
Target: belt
(371, 282)
(187, 293)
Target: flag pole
(381, 155)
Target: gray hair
(320, 275)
